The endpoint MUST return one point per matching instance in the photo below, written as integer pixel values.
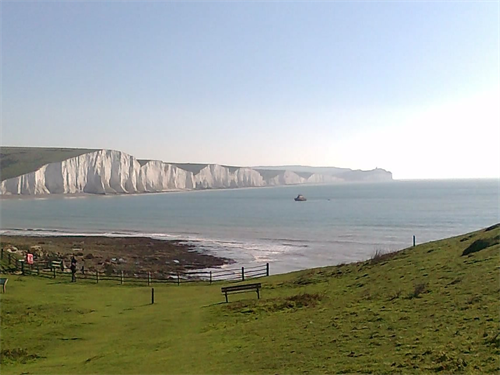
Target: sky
(409, 86)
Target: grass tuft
(20, 355)
(395, 295)
(448, 363)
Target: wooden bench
(241, 289)
(3, 283)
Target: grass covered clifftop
(428, 309)
(16, 161)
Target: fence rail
(52, 269)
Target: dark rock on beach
(115, 254)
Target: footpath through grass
(424, 309)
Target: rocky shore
(114, 254)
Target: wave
(341, 239)
(238, 250)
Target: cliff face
(111, 172)
(114, 172)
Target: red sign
(29, 258)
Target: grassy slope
(15, 161)
(361, 317)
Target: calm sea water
(338, 223)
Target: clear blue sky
(412, 87)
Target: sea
(337, 224)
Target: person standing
(73, 269)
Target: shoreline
(116, 253)
(193, 190)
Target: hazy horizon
(410, 87)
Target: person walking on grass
(73, 270)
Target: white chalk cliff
(114, 172)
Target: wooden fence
(53, 270)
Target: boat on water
(300, 198)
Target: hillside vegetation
(16, 161)
(431, 308)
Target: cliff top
(16, 161)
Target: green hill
(16, 161)
(428, 309)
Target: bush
(16, 355)
(305, 299)
(380, 256)
(479, 245)
(418, 290)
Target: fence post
(37, 270)
(10, 257)
(1, 256)
(210, 277)
(152, 296)
(267, 269)
(96, 276)
(242, 273)
(413, 241)
(22, 267)
(178, 279)
(121, 278)
(54, 272)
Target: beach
(128, 254)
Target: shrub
(475, 247)
(419, 289)
(291, 303)
(380, 256)
(492, 227)
(16, 355)
(305, 299)
(377, 256)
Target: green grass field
(425, 309)
(16, 161)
